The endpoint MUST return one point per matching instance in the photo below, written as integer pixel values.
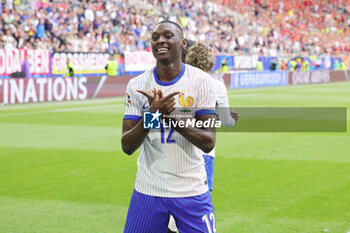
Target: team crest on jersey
(186, 103)
(127, 100)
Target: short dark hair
(190, 43)
(174, 23)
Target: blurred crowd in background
(237, 27)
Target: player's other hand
(165, 104)
(234, 115)
(149, 94)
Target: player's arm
(203, 138)
(133, 131)
(133, 135)
(228, 118)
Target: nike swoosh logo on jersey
(145, 107)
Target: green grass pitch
(62, 168)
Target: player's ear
(183, 43)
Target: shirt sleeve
(221, 94)
(133, 108)
(206, 97)
(223, 109)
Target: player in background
(202, 57)
(171, 177)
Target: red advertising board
(11, 61)
(14, 91)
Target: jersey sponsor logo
(151, 120)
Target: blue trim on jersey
(172, 81)
(132, 117)
(205, 112)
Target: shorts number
(207, 222)
(162, 132)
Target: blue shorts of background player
(150, 214)
(209, 167)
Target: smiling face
(167, 43)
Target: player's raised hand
(167, 102)
(164, 104)
(150, 94)
(160, 93)
(234, 115)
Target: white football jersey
(220, 93)
(168, 164)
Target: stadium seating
(264, 27)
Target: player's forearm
(133, 138)
(204, 139)
(225, 117)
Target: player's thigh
(209, 167)
(194, 214)
(146, 214)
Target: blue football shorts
(209, 167)
(149, 214)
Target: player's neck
(167, 73)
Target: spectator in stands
(264, 27)
(40, 29)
